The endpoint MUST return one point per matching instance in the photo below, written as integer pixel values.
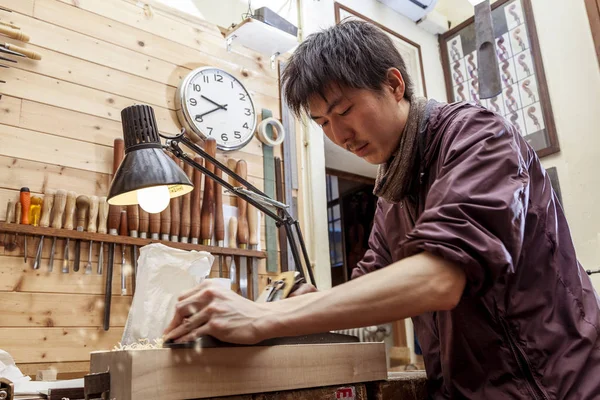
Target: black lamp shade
(145, 164)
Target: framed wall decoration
(524, 99)
(410, 51)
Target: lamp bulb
(154, 199)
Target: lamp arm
(251, 195)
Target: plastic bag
(164, 273)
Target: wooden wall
(58, 120)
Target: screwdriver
(71, 199)
(25, 197)
(92, 227)
(60, 200)
(82, 204)
(102, 219)
(44, 223)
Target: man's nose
(341, 134)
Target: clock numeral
(245, 125)
(218, 78)
(198, 118)
(248, 111)
(237, 134)
(224, 137)
(193, 102)
(242, 97)
(196, 87)
(209, 130)
(232, 84)
(205, 79)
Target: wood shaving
(142, 344)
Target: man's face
(366, 123)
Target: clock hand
(211, 111)
(215, 103)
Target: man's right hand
(303, 289)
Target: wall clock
(211, 102)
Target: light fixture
(475, 2)
(147, 173)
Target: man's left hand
(210, 309)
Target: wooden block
(399, 356)
(211, 372)
(350, 392)
(65, 370)
(46, 375)
(399, 386)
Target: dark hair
(353, 53)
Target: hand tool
(10, 245)
(186, 204)
(165, 223)
(195, 203)
(144, 222)
(232, 266)
(102, 220)
(22, 52)
(9, 24)
(71, 201)
(114, 218)
(280, 196)
(242, 236)
(208, 197)
(92, 227)
(60, 201)
(14, 34)
(253, 244)
(133, 223)
(232, 244)
(11, 52)
(5, 9)
(123, 231)
(155, 226)
(18, 209)
(25, 198)
(175, 218)
(82, 204)
(219, 223)
(44, 223)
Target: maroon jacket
(528, 323)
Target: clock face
(212, 103)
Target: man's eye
(324, 123)
(346, 112)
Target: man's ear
(395, 81)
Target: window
(334, 219)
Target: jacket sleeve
(475, 209)
(378, 254)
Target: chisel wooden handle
(114, 219)
(123, 231)
(18, 212)
(186, 207)
(208, 197)
(195, 203)
(10, 212)
(232, 164)
(144, 222)
(175, 218)
(82, 204)
(60, 201)
(47, 208)
(118, 154)
(69, 210)
(219, 223)
(133, 220)
(102, 214)
(232, 233)
(14, 34)
(34, 55)
(165, 223)
(252, 226)
(154, 225)
(93, 215)
(242, 236)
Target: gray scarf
(394, 177)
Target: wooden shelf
(127, 240)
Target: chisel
(232, 265)
(123, 231)
(175, 206)
(18, 213)
(144, 222)
(242, 236)
(114, 217)
(186, 204)
(60, 201)
(102, 221)
(219, 223)
(14, 34)
(196, 203)
(92, 227)
(44, 223)
(208, 197)
(253, 244)
(82, 204)
(155, 226)
(25, 198)
(133, 223)
(165, 223)
(231, 242)
(69, 209)
(20, 51)
(10, 245)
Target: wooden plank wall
(58, 120)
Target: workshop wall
(58, 120)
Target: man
(468, 238)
